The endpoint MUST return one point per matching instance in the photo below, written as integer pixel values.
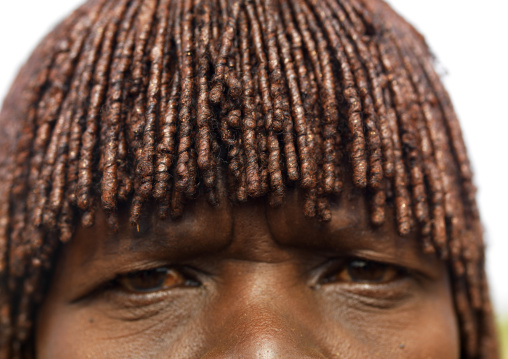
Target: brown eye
(364, 271)
(153, 280)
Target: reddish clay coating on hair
(138, 101)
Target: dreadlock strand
(279, 94)
(330, 109)
(261, 144)
(361, 67)
(488, 341)
(451, 199)
(168, 102)
(368, 52)
(59, 110)
(219, 79)
(274, 169)
(44, 181)
(136, 120)
(139, 76)
(468, 325)
(48, 108)
(403, 211)
(113, 177)
(249, 121)
(373, 140)
(273, 164)
(354, 18)
(311, 106)
(46, 55)
(410, 115)
(405, 143)
(428, 146)
(166, 148)
(308, 40)
(90, 135)
(433, 163)
(204, 111)
(191, 189)
(167, 63)
(212, 191)
(350, 93)
(185, 115)
(274, 69)
(472, 256)
(124, 181)
(145, 163)
(264, 83)
(87, 64)
(455, 134)
(5, 307)
(224, 11)
(27, 139)
(58, 181)
(441, 113)
(298, 112)
(301, 109)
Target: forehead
(252, 230)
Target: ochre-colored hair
(128, 103)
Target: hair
(134, 102)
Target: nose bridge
(263, 326)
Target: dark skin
(248, 281)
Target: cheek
(421, 328)
(433, 333)
(66, 331)
(429, 332)
(57, 335)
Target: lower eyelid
(130, 300)
(122, 300)
(381, 296)
(125, 307)
(380, 300)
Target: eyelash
(166, 278)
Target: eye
(154, 280)
(363, 271)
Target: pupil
(366, 271)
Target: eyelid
(340, 272)
(381, 295)
(336, 264)
(107, 280)
(187, 276)
(420, 266)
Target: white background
(470, 40)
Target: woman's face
(248, 281)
